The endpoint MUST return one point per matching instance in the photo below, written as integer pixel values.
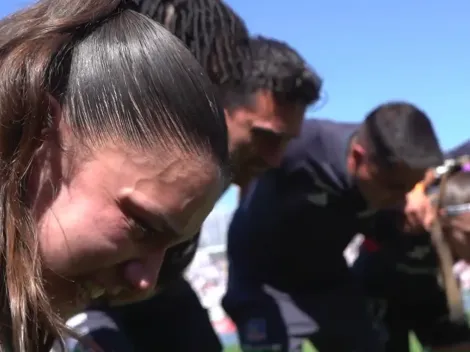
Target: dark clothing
(172, 321)
(287, 273)
(401, 277)
(428, 321)
(335, 319)
(405, 291)
(297, 218)
(462, 149)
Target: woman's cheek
(460, 245)
(102, 249)
(115, 247)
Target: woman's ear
(54, 116)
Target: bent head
(391, 152)
(113, 148)
(266, 111)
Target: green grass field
(415, 347)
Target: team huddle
(122, 123)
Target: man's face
(383, 186)
(259, 134)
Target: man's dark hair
(400, 132)
(460, 150)
(212, 31)
(276, 67)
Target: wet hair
(276, 67)
(399, 132)
(119, 77)
(212, 31)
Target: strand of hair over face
(215, 35)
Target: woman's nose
(142, 273)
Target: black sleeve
(107, 339)
(443, 333)
(259, 209)
(286, 210)
(260, 218)
(432, 324)
(100, 329)
(383, 226)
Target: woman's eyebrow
(157, 222)
(155, 219)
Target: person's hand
(419, 212)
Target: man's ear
(356, 156)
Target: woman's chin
(129, 297)
(71, 297)
(67, 297)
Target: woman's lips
(96, 291)
(129, 297)
(117, 295)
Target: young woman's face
(104, 227)
(459, 235)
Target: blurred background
(367, 52)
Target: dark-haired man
(288, 279)
(461, 149)
(400, 275)
(264, 111)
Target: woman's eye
(140, 231)
(149, 237)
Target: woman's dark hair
(119, 77)
(212, 31)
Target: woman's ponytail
(35, 49)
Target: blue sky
(371, 51)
